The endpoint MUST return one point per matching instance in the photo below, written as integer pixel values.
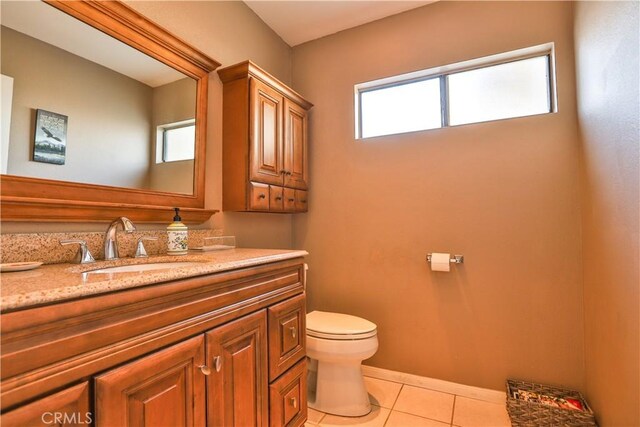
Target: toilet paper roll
(440, 262)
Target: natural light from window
(403, 108)
(515, 89)
(179, 143)
(502, 86)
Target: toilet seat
(337, 326)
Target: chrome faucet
(110, 239)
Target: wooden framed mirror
(33, 197)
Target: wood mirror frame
(36, 199)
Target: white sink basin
(134, 268)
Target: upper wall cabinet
(265, 142)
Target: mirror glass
(87, 108)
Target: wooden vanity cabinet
(226, 349)
(265, 127)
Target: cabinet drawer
(287, 331)
(258, 196)
(69, 407)
(288, 397)
(301, 201)
(276, 198)
(289, 199)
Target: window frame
(170, 127)
(443, 72)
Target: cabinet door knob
(261, 196)
(293, 331)
(289, 173)
(205, 369)
(294, 402)
(217, 362)
(282, 172)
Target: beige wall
(173, 102)
(504, 194)
(229, 32)
(109, 114)
(606, 38)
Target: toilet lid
(324, 324)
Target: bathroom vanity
(220, 343)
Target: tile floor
(402, 405)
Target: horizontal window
(513, 84)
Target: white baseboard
(485, 394)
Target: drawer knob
(261, 196)
(293, 331)
(278, 198)
(217, 363)
(205, 369)
(293, 401)
(292, 200)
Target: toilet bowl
(336, 346)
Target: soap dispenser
(177, 236)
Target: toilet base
(338, 388)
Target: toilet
(336, 346)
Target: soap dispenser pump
(177, 234)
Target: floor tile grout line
(397, 397)
(324, 414)
(453, 410)
(388, 416)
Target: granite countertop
(59, 282)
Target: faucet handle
(83, 256)
(141, 252)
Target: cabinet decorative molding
(190, 352)
(265, 149)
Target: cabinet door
(237, 386)
(295, 148)
(166, 388)
(265, 153)
(69, 407)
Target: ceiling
(43, 22)
(304, 20)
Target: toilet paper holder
(457, 259)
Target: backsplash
(46, 248)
